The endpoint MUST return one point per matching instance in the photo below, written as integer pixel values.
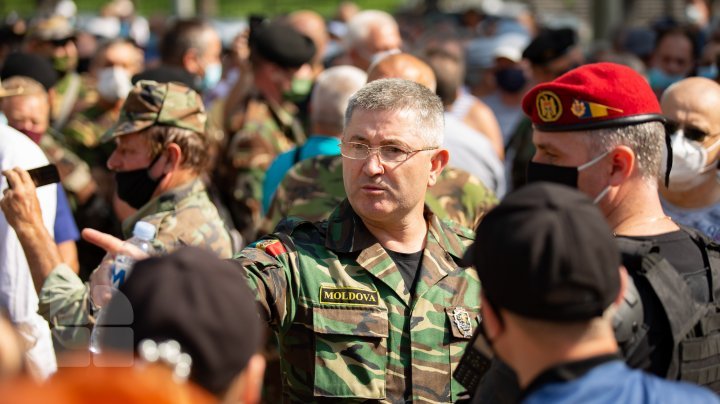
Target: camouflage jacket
(184, 216)
(268, 129)
(75, 88)
(347, 326)
(314, 187)
(83, 132)
(74, 172)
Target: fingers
(105, 241)
(19, 180)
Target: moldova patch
(346, 295)
(273, 248)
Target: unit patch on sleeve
(273, 248)
(349, 296)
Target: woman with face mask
(693, 194)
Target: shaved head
(312, 25)
(693, 102)
(403, 66)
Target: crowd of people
(358, 209)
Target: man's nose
(373, 165)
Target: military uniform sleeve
(64, 304)
(268, 274)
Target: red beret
(593, 96)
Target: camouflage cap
(164, 104)
(55, 28)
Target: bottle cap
(144, 231)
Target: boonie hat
(165, 104)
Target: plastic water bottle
(143, 234)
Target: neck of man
(406, 235)
(705, 194)
(175, 179)
(325, 129)
(541, 354)
(267, 88)
(637, 211)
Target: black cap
(546, 252)
(549, 45)
(282, 45)
(30, 65)
(198, 300)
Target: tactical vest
(695, 326)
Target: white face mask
(689, 162)
(113, 83)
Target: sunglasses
(689, 132)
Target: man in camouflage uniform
(376, 291)
(266, 123)
(112, 67)
(160, 152)
(314, 187)
(54, 39)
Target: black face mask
(136, 186)
(511, 80)
(547, 172)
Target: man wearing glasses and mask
(693, 123)
(377, 291)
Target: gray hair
(403, 96)
(646, 140)
(360, 25)
(331, 94)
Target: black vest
(695, 326)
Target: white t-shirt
(17, 293)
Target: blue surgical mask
(659, 80)
(511, 79)
(709, 71)
(213, 74)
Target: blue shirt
(65, 227)
(614, 382)
(315, 146)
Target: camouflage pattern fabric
(184, 216)
(86, 94)
(63, 302)
(84, 130)
(74, 172)
(268, 129)
(167, 104)
(348, 328)
(314, 187)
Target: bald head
(693, 102)
(312, 25)
(403, 66)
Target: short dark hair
(182, 36)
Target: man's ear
(175, 157)
(437, 164)
(623, 164)
(191, 61)
(247, 387)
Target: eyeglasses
(387, 153)
(689, 132)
